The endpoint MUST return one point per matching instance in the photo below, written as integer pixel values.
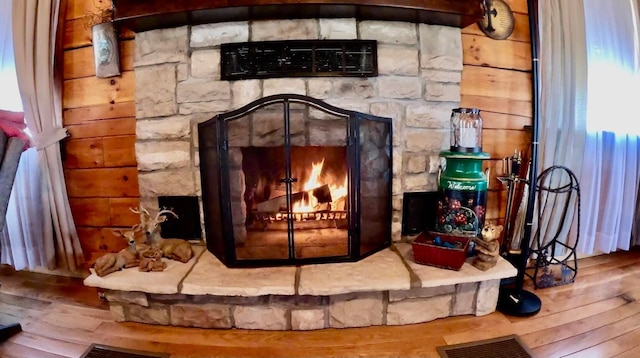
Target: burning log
(279, 203)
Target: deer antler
(164, 211)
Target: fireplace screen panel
(289, 170)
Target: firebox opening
(317, 204)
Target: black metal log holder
(554, 261)
(513, 300)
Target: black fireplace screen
(289, 179)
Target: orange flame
(337, 192)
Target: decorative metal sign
(299, 58)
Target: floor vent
(508, 346)
(102, 351)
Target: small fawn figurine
(175, 249)
(125, 258)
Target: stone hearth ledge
(387, 288)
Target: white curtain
(563, 106)
(21, 239)
(34, 34)
(589, 66)
(611, 161)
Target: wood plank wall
(100, 164)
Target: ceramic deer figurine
(125, 258)
(175, 249)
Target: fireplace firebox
(289, 179)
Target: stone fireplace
(178, 86)
(289, 179)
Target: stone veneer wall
(278, 312)
(178, 85)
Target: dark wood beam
(143, 15)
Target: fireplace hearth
(289, 179)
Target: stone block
(398, 60)
(273, 86)
(169, 183)
(209, 107)
(353, 88)
(201, 315)
(444, 76)
(138, 298)
(418, 310)
(201, 90)
(487, 297)
(320, 88)
(356, 310)
(442, 92)
(464, 301)
(338, 29)
(205, 64)
(215, 34)
(429, 115)
(415, 163)
(245, 92)
(239, 132)
(421, 292)
(400, 87)
(393, 110)
(261, 317)
(397, 161)
(297, 29)
(117, 312)
(160, 155)
(440, 47)
(155, 91)
(389, 32)
(157, 314)
(435, 163)
(415, 182)
(174, 127)
(328, 133)
(161, 46)
(429, 140)
(307, 319)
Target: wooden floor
(597, 316)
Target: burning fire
(337, 192)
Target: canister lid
(466, 110)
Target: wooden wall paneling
(481, 50)
(492, 120)
(79, 8)
(520, 30)
(76, 34)
(79, 62)
(119, 151)
(120, 213)
(103, 128)
(97, 241)
(90, 211)
(90, 91)
(102, 182)
(499, 83)
(502, 142)
(501, 105)
(519, 6)
(83, 153)
(83, 115)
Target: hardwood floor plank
(13, 350)
(555, 334)
(53, 346)
(527, 325)
(598, 315)
(580, 342)
(611, 347)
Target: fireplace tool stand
(554, 260)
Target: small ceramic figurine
(488, 247)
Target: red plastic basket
(426, 252)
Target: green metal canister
(462, 187)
